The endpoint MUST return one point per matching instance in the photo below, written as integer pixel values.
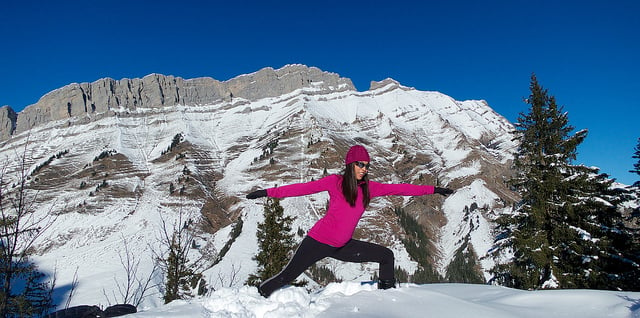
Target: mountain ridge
(101, 97)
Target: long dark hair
(350, 186)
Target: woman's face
(360, 169)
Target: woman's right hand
(257, 194)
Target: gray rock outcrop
(8, 119)
(90, 101)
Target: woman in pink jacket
(331, 236)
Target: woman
(331, 236)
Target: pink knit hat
(356, 153)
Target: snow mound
(352, 299)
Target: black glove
(257, 194)
(443, 191)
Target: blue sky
(584, 52)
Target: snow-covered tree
(566, 232)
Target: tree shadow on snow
(36, 285)
(634, 304)
(60, 296)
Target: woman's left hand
(443, 191)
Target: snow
(90, 244)
(352, 299)
(472, 223)
(463, 171)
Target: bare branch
(21, 224)
(134, 289)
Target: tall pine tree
(566, 230)
(545, 148)
(276, 242)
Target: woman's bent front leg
(309, 252)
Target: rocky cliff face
(8, 119)
(85, 102)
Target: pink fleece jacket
(338, 224)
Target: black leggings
(311, 251)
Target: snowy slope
(413, 136)
(350, 299)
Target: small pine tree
(178, 273)
(416, 243)
(322, 274)
(276, 242)
(181, 277)
(401, 274)
(463, 268)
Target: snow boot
(262, 292)
(386, 283)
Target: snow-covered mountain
(113, 160)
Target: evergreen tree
(322, 274)
(636, 166)
(181, 277)
(276, 242)
(545, 147)
(566, 230)
(29, 294)
(603, 252)
(416, 243)
(463, 268)
(179, 274)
